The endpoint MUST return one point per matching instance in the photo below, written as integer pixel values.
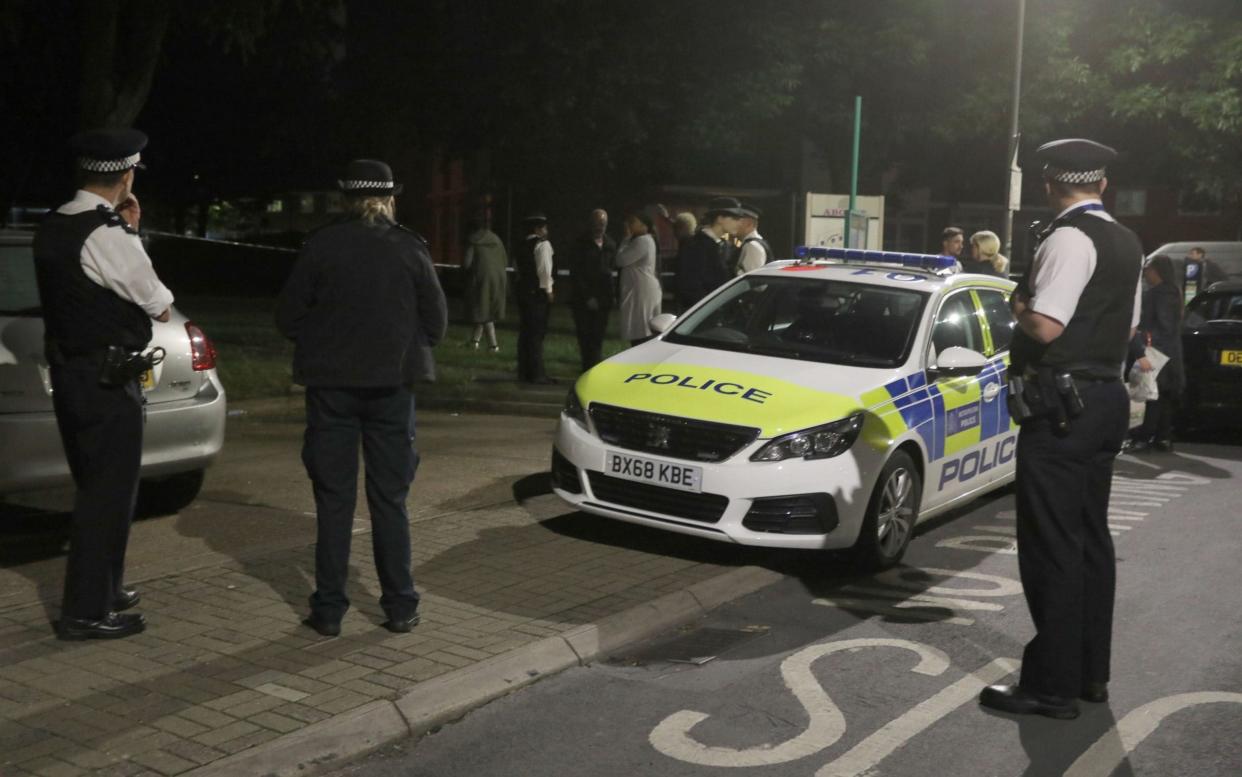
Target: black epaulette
(113, 219)
(409, 231)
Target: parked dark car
(1212, 345)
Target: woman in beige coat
(640, 286)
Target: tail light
(202, 351)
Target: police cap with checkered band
(1074, 160)
(109, 150)
(368, 178)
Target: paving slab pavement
(226, 681)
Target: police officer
(1076, 312)
(99, 293)
(708, 258)
(533, 261)
(755, 251)
(364, 308)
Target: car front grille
(666, 435)
(706, 508)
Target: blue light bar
(924, 261)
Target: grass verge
(255, 361)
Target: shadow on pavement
(1052, 746)
(29, 535)
(290, 574)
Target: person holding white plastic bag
(1161, 324)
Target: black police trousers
(590, 326)
(101, 430)
(533, 309)
(382, 420)
(1065, 552)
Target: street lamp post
(1014, 189)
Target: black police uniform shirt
(114, 258)
(1063, 265)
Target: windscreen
(19, 294)
(1215, 307)
(807, 319)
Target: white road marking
(892, 609)
(868, 753)
(1110, 750)
(905, 578)
(924, 599)
(983, 543)
(672, 736)
(1008, 531)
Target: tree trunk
(120, 51)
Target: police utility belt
(117, 365)
(1047, 393)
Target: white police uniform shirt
(116, 260)
(1063, 264)
(543, 264)
(752, 256)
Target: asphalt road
(831, 674)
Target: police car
(828, 402)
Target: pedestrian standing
(640, 286)
(533, 259)
(591, 259)
(952, 240)
(1200, 272)
(99, 294)
(1076, 312)
(363, 308)
(485, 264)
(985, 257)
(755, 251)
(705, 263)
(1160, 327)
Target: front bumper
(790, 504)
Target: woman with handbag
(1161, 323)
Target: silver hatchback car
(185, 402)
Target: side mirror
(662, 323)
(956, 360)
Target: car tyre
(168, 495)
(891, 514)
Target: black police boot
(326, 628)
(402, 625)
(111, 626)
(1017, 701)
(1096, 693)
(126, 598)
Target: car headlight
(819, 442)
(573, 408)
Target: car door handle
(990, 391)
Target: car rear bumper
(179, 436)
